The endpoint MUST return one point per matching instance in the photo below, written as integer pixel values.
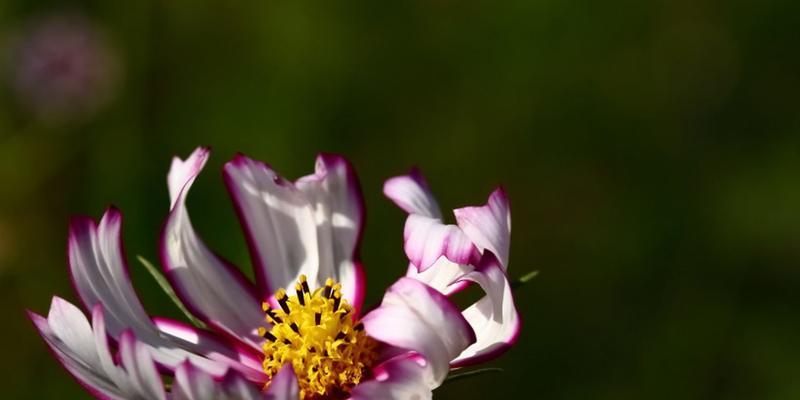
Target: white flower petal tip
(416, 317)
(489, 226)
(494, 317)
(182, 172)
(411, 193)
(311, 227)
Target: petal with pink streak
(334, 194)
(427, 239)
(404, 377)
(416, 317)
(73, 341)
(312, 227)
(211, 288)
(192, 383)
(494, 317)
(284, 385)
(489, 226)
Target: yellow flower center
(315, 332)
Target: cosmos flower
(62, 65)
(297, 331)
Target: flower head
(62, 66)
(297, 331)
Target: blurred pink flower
(62, 66)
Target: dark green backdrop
(651, 150)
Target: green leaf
(524, 279)
(469, 374)
(165, 286)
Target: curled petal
(211, 288)
(427, 239)
(411, 193)
(312, 227)
(443, 275)
(416, 317)
(489, 226)
(494, 317)
(400, 378)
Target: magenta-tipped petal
(494, 317)
(211, 288)
(416, 317)
(411, 193)
(311, 227)
(489, 226)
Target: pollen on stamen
(314, 331)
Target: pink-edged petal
(312, 227)
(494, 317)
(283, 385)
(72, 340)
(400, 378)
(210, 287)
(334, 195)
(416, 317)
(442, 275)
(99, 272)
(411, 193)
(489, 226)
(278, 222)
(213, 355)
(427, 239)
(100, 275)
(142, 374)
(192, 383)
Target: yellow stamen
(313, 331)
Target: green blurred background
(651, 151)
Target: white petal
(489, 226)
(278, 221)
(411, 193)
(208, 286)
(401, 378)
(494, 317)
(335, 197)
(99, 272)
(311, 228)
(416, 317)
(71, 327)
